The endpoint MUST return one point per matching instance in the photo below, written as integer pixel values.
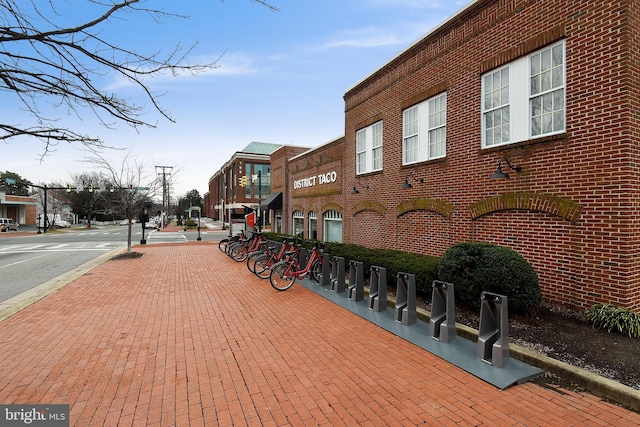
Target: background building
(242, 182)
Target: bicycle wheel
(239, 253)
(316, 271)
(261, 266)
(223, 244)
(251, 260)
(230, 246)
(280, 277)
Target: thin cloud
(369, 37)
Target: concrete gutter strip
(13, 305)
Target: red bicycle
(284, 273)
(262, 264)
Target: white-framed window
(369, 148)
(496, 108)
(298, 223)
(313, 225)
(424, 130)
(547, 90)
(525, 98)
(332, 222)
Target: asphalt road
(27, 261)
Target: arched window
(313, 225)
(332, 226)
(298, 223)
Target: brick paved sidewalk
(185, 336)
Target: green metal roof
(261, 148)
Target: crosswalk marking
(65, 247)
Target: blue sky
(281, 79)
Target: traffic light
(243, 181)
(90, 188)
(68, 188)
(112, 188)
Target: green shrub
(424, 267)
(477, 267)
(609, 317)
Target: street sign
(142, 188)
(10, 180)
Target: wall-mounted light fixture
(498, 174)
(407, 184)
(355, 190)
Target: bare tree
(131, 186)
(42, 58)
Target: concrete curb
(13, 305)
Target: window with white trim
(525, 98)
(298, 223)
(332, 225)
(369, 148)
(547, 91)
(424, 130)
(313, 225)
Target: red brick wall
(581, 260)
(318, 197)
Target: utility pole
(165, 193)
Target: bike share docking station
(356, 281)
(442, 325)
(487, 359)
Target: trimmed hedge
(477, 267)
(424, 267)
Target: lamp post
(197, 208)
(259, 201)
(143, 219)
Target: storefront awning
(274, 201)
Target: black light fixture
(499, 174)
(407, 184)
(355, 190)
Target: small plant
(610, 317)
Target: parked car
(62, 223)
(124, 222)
(150, 224)
(7, 224)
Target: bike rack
(442, 325)
(304, 257)
(406, 299)
(326, 270)
(337, 274)
(378, 289)
(493, 333)
(355, 291)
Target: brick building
(545, 92)
(548, 86)
(21, 209)
(311, 183)
(242, 182)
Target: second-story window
(525, 98)
(369, 149)
(424, 130)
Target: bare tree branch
(42, 58)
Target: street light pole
(259, 201)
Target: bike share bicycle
(284, 273)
